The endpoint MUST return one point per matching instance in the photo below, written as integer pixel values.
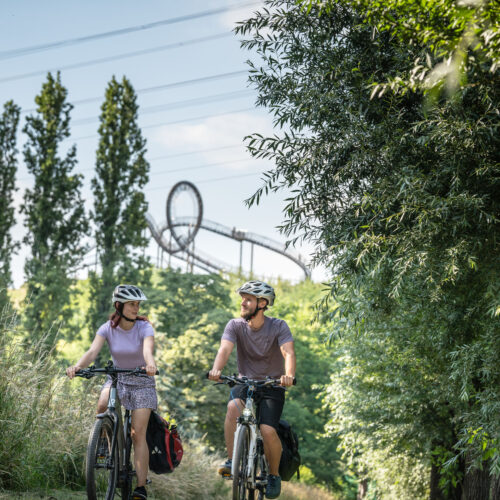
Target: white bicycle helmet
(127, 293)
(258, 289)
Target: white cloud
(230, 18)
(216, 132)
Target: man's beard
(249, 315)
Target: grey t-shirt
(258, 352)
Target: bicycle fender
(237, 433)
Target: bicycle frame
(248, 419)
(119, 439)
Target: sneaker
(139, 493)
(273, 488)
(225, 468)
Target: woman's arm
(88, 357)
(147, 350)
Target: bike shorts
(269, 400)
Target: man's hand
(287, 380)
(214, 374)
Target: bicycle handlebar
(233, 379)
(92, 371)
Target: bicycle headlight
(247, 412)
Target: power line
(197, 167)
(175, 155)
(9, 54)
(156, 88)
(125, 55)
(164, 157)
(172, 170)
(178, 104)
(209, 180)
(171, 123)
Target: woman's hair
(115, 317)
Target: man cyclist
(265, 348)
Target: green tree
(191, 311)
(304, 402)
(456, 38)
(183, 298)
(120, 205)
(8, 166)
(55, 215)
(400, 202)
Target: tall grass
(44, 420)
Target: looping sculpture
(183, 244)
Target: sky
(195, 108)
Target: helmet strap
(257, 309)
(125, 317)
(119, 310)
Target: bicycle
(249, 467)
(108, 463)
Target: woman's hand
(214, 374)
(71, 370)
(151, 369)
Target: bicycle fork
(112, 414)
(251, 452)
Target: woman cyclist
(131, 341)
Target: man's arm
(225, 350)
(288, 352)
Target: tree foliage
(400, 202)
(8, 167)
(119, 202)
(55, 215)
(453, 38)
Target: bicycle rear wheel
(102, 467)
(240, 461)
(260, 472)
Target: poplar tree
(55, 215)
(120, 206)
(8, 166)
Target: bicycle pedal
(227, 476)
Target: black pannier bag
(290, 457)
(164, 443)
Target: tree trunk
(435, 493)
(362, 489)
(476, 484)
(495, 488)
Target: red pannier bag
(164, 443)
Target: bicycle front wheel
(240, 461)
(102, 465)
(127, 472)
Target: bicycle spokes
(102, 463)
